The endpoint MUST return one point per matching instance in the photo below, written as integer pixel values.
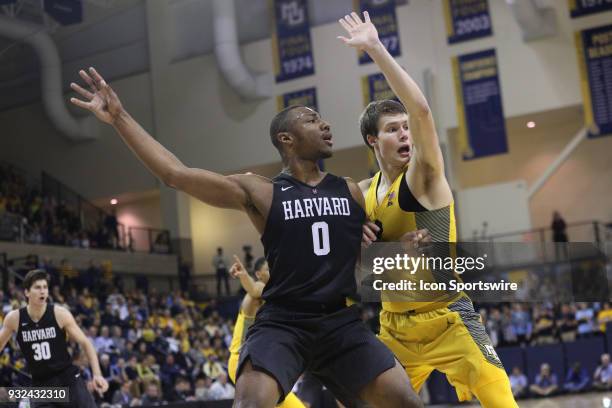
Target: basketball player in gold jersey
(445, 335)
(246, 316)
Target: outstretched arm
(253, 288)
(211, 188)
(363, 36)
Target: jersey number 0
(320, 238)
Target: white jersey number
(42, 351)
(320, 238)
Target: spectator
(559, 235)
(221, 271)
(602, 378)
(584, 316)
(202, 389)
(576, 380)
(111, 224)
(567, 324)
(123, 396)
(543, 332)
(181, 391)
(222, 389)
(152, 396)
(604, 316)
(545, 383)
(518, 383)
(212, 368)
(103, 343)
(521, 323)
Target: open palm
(101, 100)
(362, 34)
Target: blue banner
(376, 88)
(7, 2)
(467, 20)
(291, 42)
(306, 97)
(482, 126)
(579, 8)
(382, 14)
(594, 47)
(65, 12)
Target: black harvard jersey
(311, 241)
(43, 344)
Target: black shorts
(337, 348)
(78, 394)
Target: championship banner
(382, 14)
(291, 44)
(306, 97)
(65, 12)
(375, 88)
(594, 47)
(467, 20)
(579, 8)
(482, 127)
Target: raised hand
(237, 268)
(101, 100)
(363, 34)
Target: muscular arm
(8, 328)
(365, 37)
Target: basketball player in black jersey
(310, 223)
(41, 330)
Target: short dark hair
(280, 123)
(368, 121)
(33, 276)
(258, 264)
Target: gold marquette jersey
(398, 213)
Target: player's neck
(35, 310)
(305, 171)
(389, 173)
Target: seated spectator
(202, 389)
(567, 324)
(545, 383)
(604, 316)
(602, 378)
(103, 343)
(577, 379)
(544, 329)
(181, 391)
(584, 316)
(521, 323)
(518, 383)
(222, 389)
(212, 368)
(124, 397)
(152, 396)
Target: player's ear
(372, 140)
(285, 138)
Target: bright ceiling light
(531, 124)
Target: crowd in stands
(46, 220)
(153, 347)
(523, 324)
(577, 380)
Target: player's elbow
(421, 111)
(173, 176)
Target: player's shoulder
(364, 185)
(62, 314)
(11, 319)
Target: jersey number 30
(42, 351)
(320, 238)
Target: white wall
(101, 168)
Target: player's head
(261, 270)
(36, 286)
(299, 131)
(384, 128)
